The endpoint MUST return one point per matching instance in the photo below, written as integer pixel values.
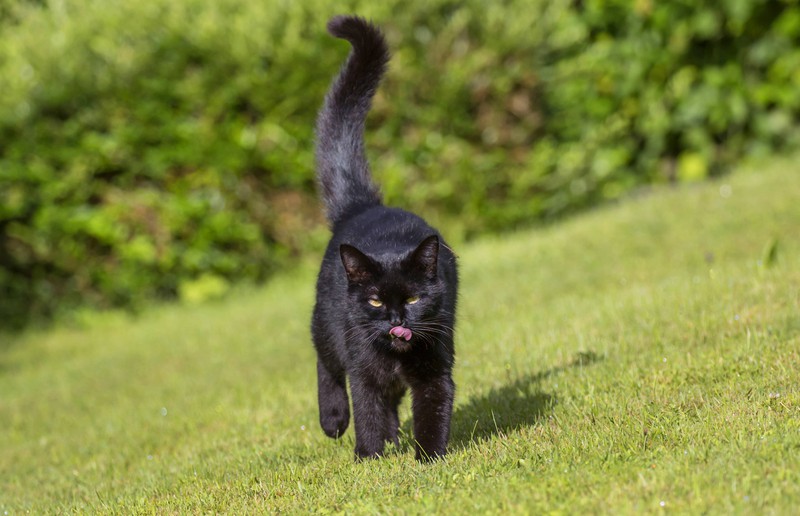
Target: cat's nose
(395, 319)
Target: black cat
(386, 292)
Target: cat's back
(383, 230)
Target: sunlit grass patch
(641, 356)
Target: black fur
(382, 254)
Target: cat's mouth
(400, 337)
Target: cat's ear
(358, 266)
(426, 256)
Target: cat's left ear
(426, 256)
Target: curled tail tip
(358, 31)
(347, 26)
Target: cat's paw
(362, 453)
(430, 455)
(334, 423)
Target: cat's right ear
(358, 266)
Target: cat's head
(395, 291)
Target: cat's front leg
(393, 399)
(372, 417)
(334, 412)
(432, 407)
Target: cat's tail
(342, 168)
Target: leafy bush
(146, 147)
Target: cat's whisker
(434, 324)
(426, 339)
(437, 328)
(352, 331)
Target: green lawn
(639, 358)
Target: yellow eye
(412, 300)
(375, 302)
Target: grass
(639, 358)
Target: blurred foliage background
(162, 149)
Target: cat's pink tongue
(399, 331)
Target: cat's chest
(390, 367)
(384, 370)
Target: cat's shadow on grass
(517, 404)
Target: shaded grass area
(642, 356)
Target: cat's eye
(412, 300)
(375, 302)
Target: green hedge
(165, 147)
